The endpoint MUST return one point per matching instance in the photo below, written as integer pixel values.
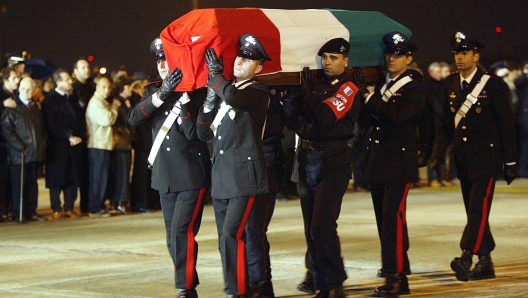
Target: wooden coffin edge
(372, 75)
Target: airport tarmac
(126, 256)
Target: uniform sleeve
(203, 125)
(333, 108)
(238, 98)
(415, 97)
(446, 128)
(189, 113)
(143, 110)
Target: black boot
(183, 293)
(395, 284)
(308, 285)
(263, 289)
(462, 265)
(483, 269)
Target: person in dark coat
(23, 129)
(324, 118)
(83, 90)
(239, 165)
(66, 129)
(478, 123)
(181, 166)
(10, 81)
(522, 120)
(393, 111)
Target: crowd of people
(119, 142)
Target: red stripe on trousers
(400, 221)
(189, 276)
(241, 252)
(484, 218)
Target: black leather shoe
(36, 217)
(335, 291)
(236, 296)
(383, 273)
(263, 289)
(182, 293)
(121, 209)
(395, 285)
(308, 285)
(483, 269)
(462, 265)
(146, 210)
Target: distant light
(102, 70)
(498, 29)
(90, 58)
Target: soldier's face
(333, 64)
(245, 69)
(163, 68)
(397, 64)
(465, 60)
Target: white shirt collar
(469, 78)
(60, 92)
(23, 100)
(388, 79)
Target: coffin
(291, 38)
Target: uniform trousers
(477, 195)
(323, 180)
(182, 213)
(390, 200)
(99, 161)
(70, 195)
(30, 192)
(231, 216)
(257, 245)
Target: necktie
(465, 85)
(390, 84)
(30, 104)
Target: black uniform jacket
(314, 120)
(183, 161)
(63, 118)
(239, 166)
(23, 129)
(393, 150)
(485, 138)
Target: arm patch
(342, 100)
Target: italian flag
(291, 38)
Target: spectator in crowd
(23, 129)
(434, 84)
(66, 129)
(121, 157)
(100, 116)
(83, 90)
(10, 81)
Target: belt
(322, 146)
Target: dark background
(118, 32)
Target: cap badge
(459, 36)
(250, 40)
(397, 38)
(157, 44)
(342, 49)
